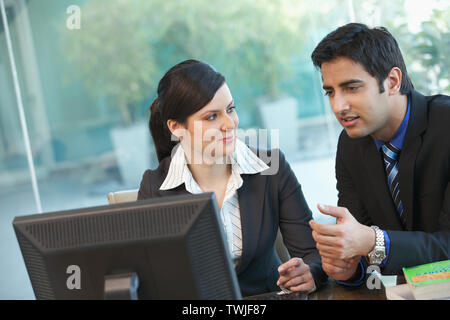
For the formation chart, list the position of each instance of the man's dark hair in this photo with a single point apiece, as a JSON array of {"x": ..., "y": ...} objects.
[{"x": 375, "y": 49}]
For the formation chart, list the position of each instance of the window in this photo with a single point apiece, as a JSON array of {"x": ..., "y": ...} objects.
[{"x": 88, "y": 70}]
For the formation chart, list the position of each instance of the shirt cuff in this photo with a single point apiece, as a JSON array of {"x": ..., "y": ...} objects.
[{"x": 357, "y": 282}]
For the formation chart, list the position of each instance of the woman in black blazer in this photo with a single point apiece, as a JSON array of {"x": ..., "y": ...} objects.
[{"x": 193, "y": 123}]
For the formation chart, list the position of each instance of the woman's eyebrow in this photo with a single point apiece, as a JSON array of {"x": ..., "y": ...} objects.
[{"x": 215, "y": 110}]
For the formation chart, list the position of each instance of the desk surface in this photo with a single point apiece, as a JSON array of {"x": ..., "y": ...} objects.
[
  {"x": 334, "y": 291},
  {"x": 330, "y": 291}
]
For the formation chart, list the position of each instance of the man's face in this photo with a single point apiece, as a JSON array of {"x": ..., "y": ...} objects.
[{"x": 355, "y": 97}]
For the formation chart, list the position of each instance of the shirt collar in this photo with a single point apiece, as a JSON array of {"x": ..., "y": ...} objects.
[
  {"x": 399, "y": 136},
  {"x": 243, "y": 161}
]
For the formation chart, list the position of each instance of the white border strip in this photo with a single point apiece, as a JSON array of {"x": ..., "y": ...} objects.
[{"x": 23, "y": 122}]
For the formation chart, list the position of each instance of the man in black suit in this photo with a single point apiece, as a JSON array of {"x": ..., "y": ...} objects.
[{"x": 392, "y": 161}]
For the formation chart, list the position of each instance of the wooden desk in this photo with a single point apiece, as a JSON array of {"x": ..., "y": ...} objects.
[
  {"x": 331, "y": 291},
  {"x": 334, "y": 291}
]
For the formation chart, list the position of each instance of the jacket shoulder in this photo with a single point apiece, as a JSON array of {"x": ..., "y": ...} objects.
[
  {"x": 439, "y": 106},
  {"x": 152, "y": 179},
  {"x": 274, "y": 159},
  {"x": 439, "y": 100},
  {"x": 438, "y": 115}
]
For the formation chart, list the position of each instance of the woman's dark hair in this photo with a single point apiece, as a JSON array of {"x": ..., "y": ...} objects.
[
  {"x": 186, "y": 88},
  {"x": 375, "y": 49}
]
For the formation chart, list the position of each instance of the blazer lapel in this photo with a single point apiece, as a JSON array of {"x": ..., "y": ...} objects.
[
  {"x": 251, "y": 200},
  {"x": 375, "y": 170},
  {"x": 173, "y": 192},
  {"x": 411, "y": 146}
]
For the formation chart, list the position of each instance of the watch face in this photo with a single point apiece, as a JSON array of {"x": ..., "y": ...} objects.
[
  {"x": 377, "y": 256},
  {"x": 377, "y": 260}
]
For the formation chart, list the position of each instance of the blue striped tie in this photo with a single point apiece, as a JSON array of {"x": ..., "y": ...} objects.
[{"x": 390, "y": 155}]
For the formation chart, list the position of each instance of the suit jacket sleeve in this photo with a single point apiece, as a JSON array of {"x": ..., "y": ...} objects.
[
  {"x": 412, "y": 248},
  {"x": 294, "y": 222}
]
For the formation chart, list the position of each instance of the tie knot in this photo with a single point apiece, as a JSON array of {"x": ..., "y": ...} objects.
[{"x": 390, "y": 151}]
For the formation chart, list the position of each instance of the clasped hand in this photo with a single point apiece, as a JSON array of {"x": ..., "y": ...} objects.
[
  {"x": 341, "y": 245},
  {"x": 295, "y": 275}
]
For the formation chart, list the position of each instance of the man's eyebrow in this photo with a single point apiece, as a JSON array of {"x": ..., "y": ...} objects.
[
  {"x": 346, "y": 83},
  {"x": 343, "y": 84},
  {"x": 208, "y": 111}
]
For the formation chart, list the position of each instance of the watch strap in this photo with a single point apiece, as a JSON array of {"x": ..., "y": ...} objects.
[
  {"x": 379, "y": 240},
  {"x": 378, "y": 254}
]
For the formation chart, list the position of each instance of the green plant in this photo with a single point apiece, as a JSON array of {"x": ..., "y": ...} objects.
[
  {"x": 431, "y": 47},
  {"x": 112, "y": 53},
  {"x": 252, "y": 40},
  {"x": 426, "y": 51},
  {"x": 124, "y": 46}
]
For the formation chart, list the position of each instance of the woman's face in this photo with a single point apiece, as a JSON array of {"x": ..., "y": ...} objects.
[{"x": 209, "y": 135}]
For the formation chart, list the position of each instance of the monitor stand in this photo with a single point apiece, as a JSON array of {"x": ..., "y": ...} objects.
[{"x": 121, "y": 286}]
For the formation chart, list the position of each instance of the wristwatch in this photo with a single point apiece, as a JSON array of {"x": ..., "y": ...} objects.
[{"x": 378, "y": 254}]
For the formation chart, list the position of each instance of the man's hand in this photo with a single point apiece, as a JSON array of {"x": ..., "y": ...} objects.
[
  {"x": 344, "y": 240},
  {"x": 296, "y": 276},
  {"x": 341, "y": 270}
]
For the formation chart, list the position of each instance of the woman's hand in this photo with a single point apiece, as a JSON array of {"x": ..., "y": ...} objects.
[{"x": 296, "y": 276}]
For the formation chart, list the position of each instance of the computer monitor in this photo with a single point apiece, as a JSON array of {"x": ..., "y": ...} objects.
[{"x": 163, "y": 248}]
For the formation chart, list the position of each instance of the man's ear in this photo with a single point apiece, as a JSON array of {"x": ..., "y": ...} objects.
[{"x": 394, "y": 81}]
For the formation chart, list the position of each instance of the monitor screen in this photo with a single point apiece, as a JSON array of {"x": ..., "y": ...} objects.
[{"x": 163, "y": 248}]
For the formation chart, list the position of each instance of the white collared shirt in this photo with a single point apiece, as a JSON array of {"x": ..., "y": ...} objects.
[{"x": 243, "y": 161}]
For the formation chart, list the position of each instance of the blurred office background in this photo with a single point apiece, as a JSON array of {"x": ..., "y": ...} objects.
[{"x": 84, "y": 72}]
